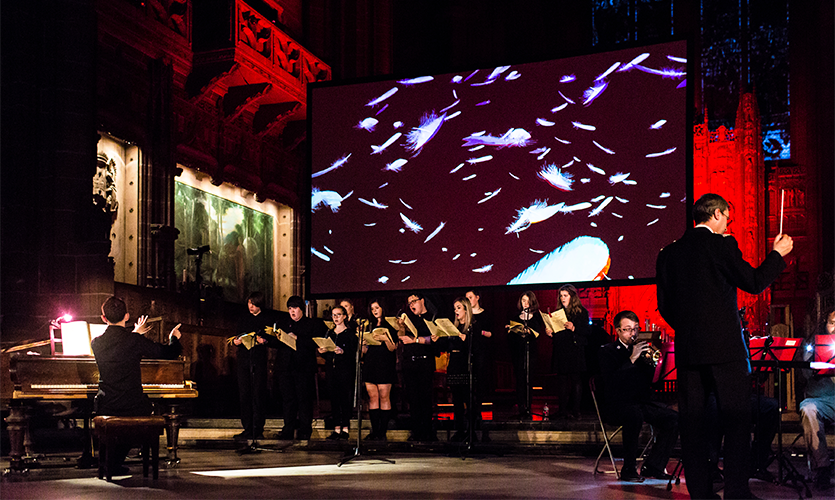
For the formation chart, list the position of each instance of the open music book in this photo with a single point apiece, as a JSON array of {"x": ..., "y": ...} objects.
[
  {"x": 325, "y": 343},
  {"x": 442, "y": 327},
  {"x": 368, "y": 337},
  {"x": 283, "y": 336},
  {"x": 519, "y": 329},
  {"x": 250, "y": 340},
  {"x": 410, "y": 327},
  {"x": 555, "y": 321}
]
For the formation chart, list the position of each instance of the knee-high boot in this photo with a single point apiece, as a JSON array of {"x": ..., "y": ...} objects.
[
  {"x": 374, "y": 416},
  {"x": 384, "y": 424}
]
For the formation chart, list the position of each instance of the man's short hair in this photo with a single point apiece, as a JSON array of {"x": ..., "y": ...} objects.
[
  {"x": 706, "y": 206},
  {"x": 416, "y": 294},
  {"x": 625, "y": 314},
  {"x": 257, "y": 299},
  {"x": 114, "y": 309},
  {"x": 295, "y": 301}
]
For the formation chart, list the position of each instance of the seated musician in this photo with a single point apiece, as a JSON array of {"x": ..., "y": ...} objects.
[
  {"x": 818, "y": 407},
  {"x": 627, "y": 375},
  {"x": 118, "y": 353}
]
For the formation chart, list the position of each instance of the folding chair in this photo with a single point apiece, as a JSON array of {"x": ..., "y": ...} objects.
[{"x": 607, "y": 438}]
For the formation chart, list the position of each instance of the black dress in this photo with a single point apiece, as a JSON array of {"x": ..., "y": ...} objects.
[
  {"x": 379, "y": 365},
  {"x": 569, "y": 355},
  {"x": 568, "y": 361},
  {"x": 341, "y": 374}
]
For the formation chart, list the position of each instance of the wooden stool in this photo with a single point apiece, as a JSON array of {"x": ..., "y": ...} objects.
[{"x": 135, "y": 431}]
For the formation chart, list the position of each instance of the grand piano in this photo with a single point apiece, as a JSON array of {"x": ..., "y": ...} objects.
[{"x": 36, "y": 378}]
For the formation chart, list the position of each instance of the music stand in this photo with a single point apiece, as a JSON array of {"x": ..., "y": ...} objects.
[
  {"x": 776, "y": 354},
  {"x": 526, "y": 334},
  {"x": 772, "y": 349},
  {"x": 824, "y": 348}
]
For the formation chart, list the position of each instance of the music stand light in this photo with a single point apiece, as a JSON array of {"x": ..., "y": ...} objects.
[{"x": 825, "y": 352}]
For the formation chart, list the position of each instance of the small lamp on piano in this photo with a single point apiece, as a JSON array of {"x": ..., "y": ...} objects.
[{"x": 63, "y": 318}]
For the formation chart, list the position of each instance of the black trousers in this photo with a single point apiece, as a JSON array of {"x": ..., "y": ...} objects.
[
  {"x": 252, "y": 387},
  {"x": 632, "y": 417},
  {"x": 341, "y": 386},
  {"x": 731, "y": 382},
  {"x": 765, "y": 417},
  {"x": 418, "y": 374},
  {"x": 297, "y": 392}
]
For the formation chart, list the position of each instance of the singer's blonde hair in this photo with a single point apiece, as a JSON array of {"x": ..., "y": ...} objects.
[{"x": 467, "y": 307}]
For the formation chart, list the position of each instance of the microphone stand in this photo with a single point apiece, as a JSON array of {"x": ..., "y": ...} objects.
[
  {"x": 357, "y": 385},
  {"x": 471, "y": 415},
  {"x": 528, "y": 404},
  {"x": 253, "y": 447}
]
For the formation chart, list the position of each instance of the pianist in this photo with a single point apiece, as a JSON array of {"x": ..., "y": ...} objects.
[{"x": 118, "y": 353}]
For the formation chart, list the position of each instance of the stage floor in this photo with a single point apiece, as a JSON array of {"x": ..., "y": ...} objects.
[{"x": 303, "y": 474}]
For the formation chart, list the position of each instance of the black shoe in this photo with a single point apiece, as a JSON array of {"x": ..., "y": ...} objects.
[
  {"x": 653, "y": 473},
  {"x": 458, "y": 437},
  {"x": 344, "y": 435},
  {"x": 821, "y": 479},
  {"x": 243, "y": 436},
  {"x": 630, "y": 475},
  {"x": 485, "y": 437},
  {"x": 122, "y": 471},
  {"x": 371, "y": 437},
  {"x": 747, "y": 495},
  {"x": 334, "y": 436},
  {"x": 763, "y": 475},
  {"x": 285, "y": 435},
  {"x": 303, "y": 436}
]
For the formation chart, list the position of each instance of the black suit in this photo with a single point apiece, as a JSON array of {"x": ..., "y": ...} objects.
[
  {"x": 253, "y": 369},
  {"x": 626, "y": 402},
  {"x": 119, "y": 352},
  {"x": 698, "y": 277}
]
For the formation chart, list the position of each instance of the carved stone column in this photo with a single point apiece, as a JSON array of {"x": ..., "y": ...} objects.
[{"x": 156, "y": 188}]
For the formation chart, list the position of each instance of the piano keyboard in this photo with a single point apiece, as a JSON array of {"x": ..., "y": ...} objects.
[{"x": 70, "y": 387}]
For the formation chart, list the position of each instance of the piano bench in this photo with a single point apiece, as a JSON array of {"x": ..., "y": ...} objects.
[{"x": 128, "y": 431}]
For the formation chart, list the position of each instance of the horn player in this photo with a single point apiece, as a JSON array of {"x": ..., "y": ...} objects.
[{"x": 627, "y": 401}]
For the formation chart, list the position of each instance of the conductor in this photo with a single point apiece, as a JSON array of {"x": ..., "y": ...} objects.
[{"x": 698, "y": 277}]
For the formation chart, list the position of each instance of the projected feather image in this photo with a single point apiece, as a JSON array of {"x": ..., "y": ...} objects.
[
  {"x": 582, "y": 259},
  {"x": 547, "y": 172}
]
